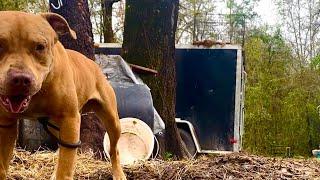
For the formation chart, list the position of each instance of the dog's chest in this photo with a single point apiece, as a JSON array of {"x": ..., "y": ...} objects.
[{"x": 41, "y": 108}]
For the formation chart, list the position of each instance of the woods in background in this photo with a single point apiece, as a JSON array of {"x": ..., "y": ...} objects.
[
  {"x": 282, "y": 63},
  {"x": 282, "y": 97}
]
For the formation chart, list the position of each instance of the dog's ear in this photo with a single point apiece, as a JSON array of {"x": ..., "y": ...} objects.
[{"x": 59, "y": 24}]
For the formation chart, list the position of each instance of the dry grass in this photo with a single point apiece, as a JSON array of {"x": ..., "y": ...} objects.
[{"x": 40, "y": 165}]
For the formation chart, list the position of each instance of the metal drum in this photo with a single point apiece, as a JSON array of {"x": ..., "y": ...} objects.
[{"x": 134, "y": 100}]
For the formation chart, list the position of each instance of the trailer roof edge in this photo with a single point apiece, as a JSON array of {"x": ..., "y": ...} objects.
[{"x": 178, "y": 46}]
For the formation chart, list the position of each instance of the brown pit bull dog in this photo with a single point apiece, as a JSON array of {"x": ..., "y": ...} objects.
[{"x": 40, "y": 78}]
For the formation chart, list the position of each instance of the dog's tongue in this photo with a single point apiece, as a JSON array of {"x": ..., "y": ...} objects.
[{"x": 15, "y": 104}]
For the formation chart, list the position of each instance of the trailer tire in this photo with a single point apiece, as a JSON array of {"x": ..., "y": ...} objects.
[{"x": 188, "y": 141}]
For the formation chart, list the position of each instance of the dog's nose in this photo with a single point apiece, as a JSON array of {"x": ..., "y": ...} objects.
[{"x": 20, "y": 80}]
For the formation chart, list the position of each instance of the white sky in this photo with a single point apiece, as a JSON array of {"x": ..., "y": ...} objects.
[
  {"x": 268, "y": 12},
  {"x": 266, "y": 9}
]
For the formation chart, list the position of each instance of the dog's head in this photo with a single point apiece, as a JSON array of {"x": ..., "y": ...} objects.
[{"x": 26, "y": 55}]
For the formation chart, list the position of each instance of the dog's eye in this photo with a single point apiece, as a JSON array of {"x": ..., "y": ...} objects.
[
  {"x": 2, "y": 47},
  {"x": 40, "y": 47}
]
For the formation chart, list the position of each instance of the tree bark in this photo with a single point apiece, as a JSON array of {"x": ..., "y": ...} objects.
[
  {"x": 108, "y": 34},
  {"x": 76, "y": 12},
  {"x": 149, "y": 41}
]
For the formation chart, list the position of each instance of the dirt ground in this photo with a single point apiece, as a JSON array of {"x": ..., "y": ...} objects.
[{"x": 40, "y": 165}]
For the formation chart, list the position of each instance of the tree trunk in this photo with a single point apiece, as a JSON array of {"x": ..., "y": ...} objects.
[
  {"x": 106, "y": 6},
  {"x": 76, "y": 12},
  {"x": 149, "y": 41}
]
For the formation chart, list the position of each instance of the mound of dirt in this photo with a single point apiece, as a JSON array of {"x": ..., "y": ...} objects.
[{"x": 40, "y": 165}]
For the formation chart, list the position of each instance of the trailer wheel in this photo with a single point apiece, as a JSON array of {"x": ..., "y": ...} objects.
[{"x": 188, "y": 141}]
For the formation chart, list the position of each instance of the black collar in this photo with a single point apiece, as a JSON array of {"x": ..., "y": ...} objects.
[{"x": 45, "y": 123}]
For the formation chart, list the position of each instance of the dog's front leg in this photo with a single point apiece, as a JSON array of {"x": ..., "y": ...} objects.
[
  {"x": 8, "y": 136},
  {"x": 69, "y": 133}
]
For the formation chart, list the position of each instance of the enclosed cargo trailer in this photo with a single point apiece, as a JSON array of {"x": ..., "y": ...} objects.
[{"x": 210, "y": 96}]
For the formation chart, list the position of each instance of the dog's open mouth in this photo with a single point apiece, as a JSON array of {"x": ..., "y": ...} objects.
[{"x": 15, "y": 104}]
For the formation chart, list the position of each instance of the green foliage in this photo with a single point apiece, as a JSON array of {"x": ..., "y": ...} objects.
[
  {"x": 24, "y": 5},
  {"x": 315, "y": 62},
  {"x": 281, "y": 97},
  {"x": 192, "y": 15},
  {"x": 240, "y": 13},
  {"x": 168, "y": 156},
  {"x": 12, "y": 5}
]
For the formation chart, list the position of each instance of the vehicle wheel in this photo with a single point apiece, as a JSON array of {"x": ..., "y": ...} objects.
[{"x": 188, "y": 141}]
